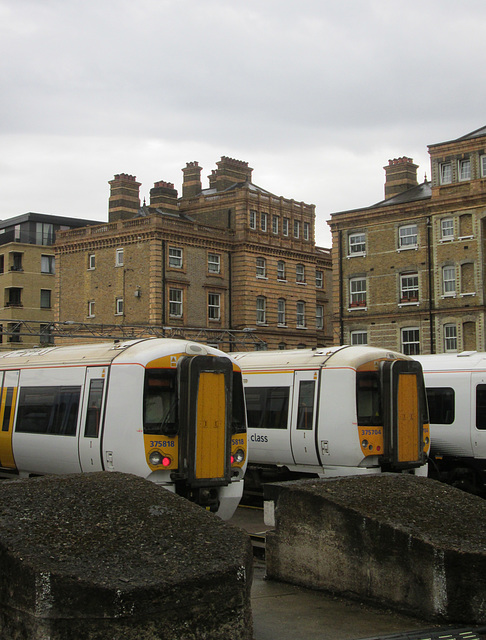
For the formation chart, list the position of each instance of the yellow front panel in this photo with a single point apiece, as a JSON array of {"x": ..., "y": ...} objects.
[
  {"x": 6, "y": 453},
  {"x": 210, "y": 436},
  {"x": 408, "y": 418}
]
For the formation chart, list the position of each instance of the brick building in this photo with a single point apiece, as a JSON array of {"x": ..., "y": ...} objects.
[
  {"x": 231, "y": 256},
  {"x": 408, "y": 272}
]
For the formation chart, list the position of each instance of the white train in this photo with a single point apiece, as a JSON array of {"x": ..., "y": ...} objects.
[
  {"x": 456, "y": 393},
  {"x": 171, "y": 411},
  {"x": 334, "y": 411}
]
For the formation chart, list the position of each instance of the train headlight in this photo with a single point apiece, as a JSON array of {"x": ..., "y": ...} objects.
[
  {"x": 364, "y": 444},
  {"x": 156, "y": 458},
  {"x": 238, "y": 456},
  {"x": 426, "y": 440}
]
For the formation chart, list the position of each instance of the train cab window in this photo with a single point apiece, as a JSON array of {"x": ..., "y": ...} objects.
[
  {"x": 238, "y": 422},
  {"x": 305, "y": 413},
  {"x": 368, "y": 399},
  {"x": 481, "y": 406},
  {"x": 160, "y": 402},
  {"x": 441, "y": 405},
  {"x": 48, "y": 410},
  {"x": 93, "y": 412},
  {"x": 267, "y": 407}
]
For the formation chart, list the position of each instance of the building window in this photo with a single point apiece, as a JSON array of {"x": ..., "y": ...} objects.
[
  {"x": 253, "y": 219},
  {"x": 281, "y": 312},
  {"x": 285, "y": 226},
  {"x": 450, "y": 337},
  {"x": 407, "y": 236},
  {"x": 175, "y": 258},
  {"x": 445, "y": 171},
  {"x": 300, "y": 314},
  {"x": 359, "y": 337},
  {"x": 447, "y": 229},
  {"x": 214, "y": 263},
  {"x": 44, "y": 233},
  {"x": 2, "y": 264},
  {"x": 48, "y": 264},
  {"x": 319, "y": 317},
  {"x": 263, "y": 221},
  {"x": 357, "y": 292},
  {"x": 464, "y": 169},
  {"x": 280, "y": 270},
  {"x": 300, "y": 273},
  {"x": 465, "y": 226},
  {"x": 46, "y": 336},
  {"x": 16, "y": 262},
  {"x": 261, "y": 268},
  {"x": 357, "y": 244},
  {"x": 91, "y": 309},
  {"x": 45, "y": 299},
  {"x": 214, "y": 306},
  {"x": 483, "y": 166},
  {"x": 261, "y": 310},
  {"x": 296, "y": 228},
  {"x": 449, "y": 280},
  {"x": 119, "y": 306},
  {"x": 175, "y": 303},
  {"x": 275, "y": 224},
  {"x": 410, "y": 340},
  {"x": 14, "y": 297},
  {"x": 319, "y": 279},
  {"x": 119, "y": 258},
  {"x": 91, "y": 261},
  {"x": 409, "y": 290},
  {"x": 14, "y": 332},
  {"x": 306, "y": 231}
]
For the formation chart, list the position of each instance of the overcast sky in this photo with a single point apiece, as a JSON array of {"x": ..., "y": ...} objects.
[{"x": 315, "y": 95}]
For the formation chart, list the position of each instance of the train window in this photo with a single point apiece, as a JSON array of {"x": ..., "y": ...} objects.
[
  {"x": 481, "y": 406},
  {"x": 238, "y": 423},
  {"x": 267, "y": 407},
  {"x": 368, "y": 399},
  {"x": 160, "y": 402},
  {"x": 51, "y": 410},
  {"x": 305, "y": 413},
  {"x": 93, "y": 412},
  {"x": 441, "y": 405},
  {"x": 8, "y": 409}
]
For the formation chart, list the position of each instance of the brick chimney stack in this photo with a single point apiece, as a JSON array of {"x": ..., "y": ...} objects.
[
  {"x": 191, "y": 185},
  {"x": 401, "y": 174},
  {"x": 229, "y": 172},
  {"x": 124, "y": 202},
  {"x": 163, "y": 196}
]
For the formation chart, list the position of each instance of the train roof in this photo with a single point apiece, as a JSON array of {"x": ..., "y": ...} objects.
[
  {"x": 342, "y": 356},
  {"x": 463, "y": 361},
  {"x": 139, "y": 351}
]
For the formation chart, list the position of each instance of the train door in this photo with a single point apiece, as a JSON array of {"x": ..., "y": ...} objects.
[
  {"x": 304, "y": 412},
  {"x": 10, "y": 383},
  {"x": 92, "y": 412},
  {"x": 478, "y": 414}
]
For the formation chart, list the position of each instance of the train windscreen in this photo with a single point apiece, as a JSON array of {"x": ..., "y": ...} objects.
[
  {"x": 368, "y": 399},
  {"x": 160, "y": 407}
]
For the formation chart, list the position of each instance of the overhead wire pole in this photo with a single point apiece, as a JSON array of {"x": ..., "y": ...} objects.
[{"x": 48, "y": 331}]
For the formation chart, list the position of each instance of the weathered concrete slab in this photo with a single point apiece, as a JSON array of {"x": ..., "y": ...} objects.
[
  {"x": 110, "y": 555},
  {"x": 401, "y": 541}
]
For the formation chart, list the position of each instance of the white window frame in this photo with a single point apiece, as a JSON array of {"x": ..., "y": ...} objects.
[
  {"x": 319, "y": 317},
  {"x": 48, "y": 264},
  {"x": 482, "y": 160},
  {"x": 214, "y": 263},
  {"x": 449, "y": 281},
  {"x": 253, "y": 219},
  {"x": 281, "y": 308},
  {"x": 357, "y": 244},
  {"x": 300, "y": 273},
  {"x": 118, "y": 306},
  {"x": 410, "y": 341},
  {"x": 261, "y": 310},
  {"x": 263, "y": 221},
  {"x": 359, "y": 337},
  {"x": 214, "y": 307},
  {"x": 319, "y": 279},
  {"x": 409, "y": 288},
  {"x": 464, "y": 169},
  {"x": 450, "y": 338},
  {"x": 445, "y": 173},
  {"x": 296, "y": 229},
  {"x": 357, "y": 292},
  {"x": 176, "y": 256},
  {"x": 447, "y": 229},
  {"x": 261, "y": 267},
  {"x": 274, "y": 224},
  {"x": 91, "y": 262},
  {"x": 285, "y": 226},
  {"x": 281, "y": 271},
  {"x": 176, "y": 300},
  {"x": 91, "y": 308},
  {"x": 306, "y": 231},
  {"x": 407, "y": 237},
  {"x": 300, "y": 314},
  {"x": 119, "y": 257}
]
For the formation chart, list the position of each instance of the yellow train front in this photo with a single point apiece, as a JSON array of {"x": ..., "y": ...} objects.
[{"x": 171, "y": 411}]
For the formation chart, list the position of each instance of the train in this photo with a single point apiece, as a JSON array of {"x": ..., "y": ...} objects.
[
  {"x": 335, "y": 411},
  {"x": 171, "y": 411},
  {"x": 456, "y": 393}
]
